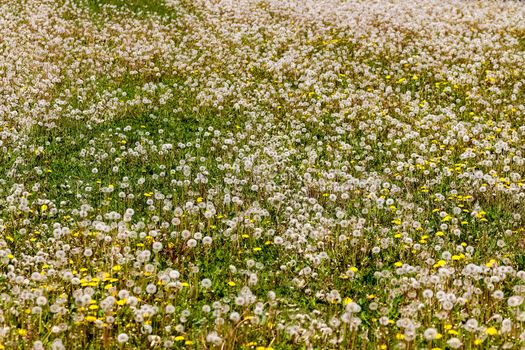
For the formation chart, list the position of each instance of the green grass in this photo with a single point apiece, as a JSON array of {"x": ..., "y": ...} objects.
[{"x": 136, "y": 7}]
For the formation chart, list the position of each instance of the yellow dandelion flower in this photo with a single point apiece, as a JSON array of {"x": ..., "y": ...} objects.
[{"x": 491, "y": 331}]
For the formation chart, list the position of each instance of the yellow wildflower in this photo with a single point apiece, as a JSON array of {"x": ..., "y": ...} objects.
[{"x": 491, "y": 331}]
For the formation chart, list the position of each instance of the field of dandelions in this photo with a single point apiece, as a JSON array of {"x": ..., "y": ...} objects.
[{"x": 262, "y": 174}]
